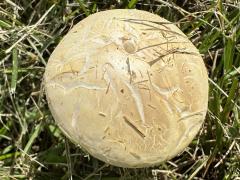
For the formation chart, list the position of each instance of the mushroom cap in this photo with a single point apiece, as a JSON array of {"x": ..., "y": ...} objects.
[{"x": 127, "y": 86}]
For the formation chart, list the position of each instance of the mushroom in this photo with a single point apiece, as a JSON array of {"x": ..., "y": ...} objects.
[{"x": 127, "y": 86}]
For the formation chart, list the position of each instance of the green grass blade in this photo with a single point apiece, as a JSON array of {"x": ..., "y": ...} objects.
[
  {"x": 9, "y": 155},
  {"x": 232, "y": 73},
  {"x": 228, "y": 54},
  {"x": 209, "y": 41},
  {"x": 82, "y": 6},
  {"x": 34, "y": 135},
  {"x": 229, "y": 105},
  {"x": 3, "y": 24},
  {"x": 132, "y": 4}
]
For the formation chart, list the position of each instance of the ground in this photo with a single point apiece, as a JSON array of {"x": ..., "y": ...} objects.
[{"x": 32, "y": 146}]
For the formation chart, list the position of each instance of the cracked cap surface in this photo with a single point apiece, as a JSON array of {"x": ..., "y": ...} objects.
[{"x": 127, "y": 86}]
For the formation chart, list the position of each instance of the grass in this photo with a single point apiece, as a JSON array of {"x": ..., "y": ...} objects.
[{"x": 32, "y": 146}]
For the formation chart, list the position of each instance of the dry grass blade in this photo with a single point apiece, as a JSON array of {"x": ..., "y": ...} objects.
[{"x": 30, "y": 30}]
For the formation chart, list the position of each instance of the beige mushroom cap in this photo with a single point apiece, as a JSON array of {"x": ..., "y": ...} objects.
[{"x": 127, "y": 86}]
